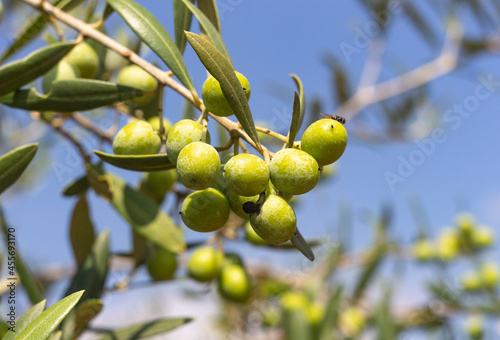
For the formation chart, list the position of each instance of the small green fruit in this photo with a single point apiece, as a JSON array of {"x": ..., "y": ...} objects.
[
  {"x": 155, "y": 123},
  {"x": 275, "y": 221},
  {"x": 315, "y": 313},
  {"x": 252, "y": 236},
  {"x": 162, "y": 265},
  {"x": 246, "y": 174},
  {"x": 62, "y": 71},
  {"x": 465, "y": 221},
  {"x": 490, "y": 275},
  {"x": 423, "y": 250},
  {"x": 181, "y": 134},
  {"x": 156, "y": 184},
  {"x": 234, "y": 283},
  {"x": 471, "y": 281},
  {"x": 474, "y": 327},
  {"x": 205, "y": 264},
  {"x": 214, "y": 99},
  {"x": 134, "y": 76},
  {"x": 205, "y": 211},
  {"x": 294, "y": 171},
  {"x": 448, "y": 245},
  {"x": 325, "y": 140},
  {"x": 236, "y": 203},
  {"x": 85, "y": 59},
  {"x": 352, "y": 321},
  {"x": 482, "y": 237},
  {"x": 198, "y": 165},
  {"x": 137, "y": 138},
  {"x": 293, "y": 301}
]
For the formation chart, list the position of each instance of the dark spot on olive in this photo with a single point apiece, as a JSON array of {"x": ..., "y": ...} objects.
[{"x": 249, "y": 207}]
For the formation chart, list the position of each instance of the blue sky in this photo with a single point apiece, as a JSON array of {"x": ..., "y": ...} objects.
[{"x": 267, "y": 43}]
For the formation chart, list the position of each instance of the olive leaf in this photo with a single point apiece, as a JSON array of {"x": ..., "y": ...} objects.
[
  {"x": 209, "y": 9},
  {"x": 153, "y": 34},
  {"x": 20, "y": 72},
  {"x": 46, "y": 323},
  {"x": 145, "y": 163},
  {"x": 295, "y": 124},
  {"x": 71, "y": 95},
  {"x": 13, "y": 164},
  {"x": 34, "y": 26},
  {"x": 302, "y": 97},
  {"x": 211, "y": 30},
  {"x": 145, "y": 329},
  {"x": 301, "y": 244},
  {"x": 182, "y": 22},
  {"x": 82, "y": 233},
  {"x": 28, "y": 317},
  {"x": 222, "y": 70}
]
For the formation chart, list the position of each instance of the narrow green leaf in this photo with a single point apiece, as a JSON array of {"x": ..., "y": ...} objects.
[
  {"x": 301, "y": 244},
  {"x": 384, "y": 320},
  {"x": 4, "y": 328},
  {"x": 71, "y": 95},
  {"x": 420, "y": 22},
  {"x": 47, "y": 322},
  {"x": 13, "y": 164},
  {"x": 81, "y": 230},
  {"x": 302, "y": 97},
  {"x": 146, "y": 329},
  {"x": 21, "y": 72},
  {"x": 145, "y": 217},
  {"x": 152, "y": 33},
  {"x": 34, "y": 26},
  {"x": 182, "y": 22},
  {"x": 145, "y": 163},
  {"x": 212, "y": 31},
  {"x": 30, "y": 315},
  {"x": 209, "y": 9},
  {"x": 297, "y": 326},
  {"x": 223, "y": 71},
  {"x": 368, "y": 273},
  {"x": 329, "y": 322},
  {"x": 77, "y": 187},
  {"x": 91, "y": 275},
  {"x": 84, "y": 314},
  {"x": 295, "y": 124}
]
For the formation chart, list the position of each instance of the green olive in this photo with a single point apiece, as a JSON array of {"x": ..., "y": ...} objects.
[
  {"x": 134, "y": 76},
  {"x": 214, "y": 99},
  {"x": 162, "y": 265},
  {"x": 205, "y": 264},
  {"x": 198, "y": 165},
  {"x": 325, "y": 140},
  {"x": 137, "y": 138},
  {"x": 205, "y": 211},
  {"x": 85, "y": 59}
]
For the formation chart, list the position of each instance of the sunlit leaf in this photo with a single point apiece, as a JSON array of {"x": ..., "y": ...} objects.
[
  {"x": 13, "y": 164},
  {"x": 21, "y": 72},
  {"x": 144, "y": 163},
  {"x": 146, "y": 329},
  {"x": 46, "y": 323},
  {"x": 85, "y": 313},
  {"x": 152, "y": 33},
  {"x": 71, "y": 95},
  {"x": 81, "y": 230},
  {"x": 28, "y": 317},
  {"x": 222, "y": 70}
]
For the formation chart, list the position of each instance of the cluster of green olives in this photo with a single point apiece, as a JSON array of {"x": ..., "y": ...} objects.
[
  {"x": 466, "y": 237},
  {"x": 244, "y": 184},
  {"x": 81, "y": 62}
]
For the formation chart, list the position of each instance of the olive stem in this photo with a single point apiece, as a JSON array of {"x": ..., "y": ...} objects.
[
  {"x": 236, "y": 149},
  {"x": 204, "y": 122},
  {"x": 160, "y": 116},
  {"x": 226, "y": 146},
  {"x": 163, "y": 77},
  {"x": 272, "y": 134}
]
